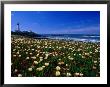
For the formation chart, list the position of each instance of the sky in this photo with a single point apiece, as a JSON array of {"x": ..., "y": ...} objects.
[{"x": 57, "y": 22}]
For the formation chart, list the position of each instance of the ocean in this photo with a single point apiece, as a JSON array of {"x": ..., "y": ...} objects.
[{"x": 75, "y": 37}]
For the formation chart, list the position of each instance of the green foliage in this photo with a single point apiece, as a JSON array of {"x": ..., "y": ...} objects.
[{"x": 65, "y": 54}]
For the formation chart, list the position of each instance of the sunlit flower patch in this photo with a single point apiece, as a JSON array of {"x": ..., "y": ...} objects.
[{"x": 54, "y": 58}]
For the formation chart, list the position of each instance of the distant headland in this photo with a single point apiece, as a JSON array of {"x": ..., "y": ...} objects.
[{"x": 30, "y": 33}]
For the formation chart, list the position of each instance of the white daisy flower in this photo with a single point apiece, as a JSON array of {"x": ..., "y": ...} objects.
[
  {"x": 58, "y": 68},
  {"x": 26, "y": 52},
  {"x": 14, "y": 55},
  {"x": 57, "y": 73},
  {"x": 35, "y": 62},
  {"x": 41, "y": 60},
  {"x": 68, "y": 74},
  {"x": 19, "y": 75},
  {"x": 46, "y": 64},
  {"x": 30, "y": 53},
  {"x": 32, "y": 49},
  {"x": 71, "y": 58},
  {"x": 27, "y": 57},
  {"x": 95, "y": 61},
  {"x": 29, "y": 69},
  {"x": 33, "y": 57},
  {"x": 41, "y": 57},
  {"x": 66, "y": 64},
  {"x": 17, "y": 52},
  {"x": 19, "y": 55},
  {"x": 77, "y": 74},
  {"x": 16, "y": 70},
  {"x": 81, "y": 74},
  {"x": 39, "y": 69},
  {"x": 94, "y": 67},
  {"x": 43, "y": 66}
]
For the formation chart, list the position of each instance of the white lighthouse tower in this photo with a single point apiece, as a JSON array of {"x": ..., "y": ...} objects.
[{"x": 18, "y": 28}]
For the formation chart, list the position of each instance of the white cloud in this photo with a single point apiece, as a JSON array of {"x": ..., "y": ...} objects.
[{"x": 89, "y": 30}]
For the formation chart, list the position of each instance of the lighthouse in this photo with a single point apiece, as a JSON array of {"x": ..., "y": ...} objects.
[{"x": 18, "y": 28}]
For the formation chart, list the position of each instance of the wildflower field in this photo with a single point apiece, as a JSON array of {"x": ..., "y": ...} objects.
[{"x": 54, "y": 58}]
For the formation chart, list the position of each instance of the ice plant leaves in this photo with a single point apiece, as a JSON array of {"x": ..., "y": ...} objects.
[{"x": 50, "y": 58}]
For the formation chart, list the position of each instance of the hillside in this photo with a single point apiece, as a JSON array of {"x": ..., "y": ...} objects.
[{"x": 26, "y": 33}]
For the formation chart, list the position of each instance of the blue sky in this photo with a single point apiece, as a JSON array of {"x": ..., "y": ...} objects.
[{"x": 57, "y": 22}]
